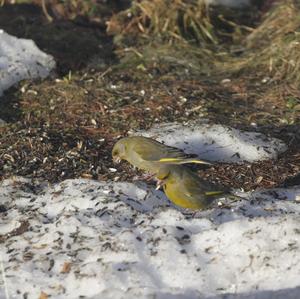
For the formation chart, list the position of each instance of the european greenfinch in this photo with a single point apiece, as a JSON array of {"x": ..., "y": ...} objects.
[
  {"x": 148, "y": 154},
  {"x": 186, "y": 189}
]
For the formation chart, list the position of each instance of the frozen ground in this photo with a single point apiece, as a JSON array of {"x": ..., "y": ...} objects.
[
  {"x": 21, "y": 59},
  {"x": 89, "y": 239}
]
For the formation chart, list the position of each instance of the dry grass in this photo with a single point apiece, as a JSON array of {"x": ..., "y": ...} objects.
[
  {"x": 176, "y": 28},
  {"x": 171, "y": 20},
  {"x": 273, "y": 48},
  {"x": 174, "y": 36}
]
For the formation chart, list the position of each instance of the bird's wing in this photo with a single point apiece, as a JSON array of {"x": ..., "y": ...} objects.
[
  {"x": 167, "y": 151},
  {"x": 152, "y": 150},
  {"x": 194, "y": 186},
  {"x": 147, "y": 152}
]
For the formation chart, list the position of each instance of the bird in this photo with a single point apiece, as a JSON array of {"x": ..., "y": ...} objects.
[
  {"x": 186, "y": 189},
  {"x": 148, "y": 154}
]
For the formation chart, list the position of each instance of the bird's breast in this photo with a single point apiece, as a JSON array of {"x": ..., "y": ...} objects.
[{"x": 180, "y": 198}]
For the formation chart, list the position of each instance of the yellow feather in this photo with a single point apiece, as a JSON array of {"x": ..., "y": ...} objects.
[
  {"x": 183, "y": 161},
  {"x": 186, "y": 189},
  {"x": 169, "y": 160}
]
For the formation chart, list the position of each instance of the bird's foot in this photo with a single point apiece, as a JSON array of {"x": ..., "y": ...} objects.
[{"x": 145, "y": 177}]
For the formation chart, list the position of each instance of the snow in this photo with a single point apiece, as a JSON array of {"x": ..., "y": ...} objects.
[
  {"x": 21, "y": 59},
  {"x": 216, "y": 142},
  {"x": 125, "y": 240}
]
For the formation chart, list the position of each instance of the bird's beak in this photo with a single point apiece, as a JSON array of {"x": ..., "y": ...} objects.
[
  {"x": 117, "y": 160},
  {"x": 159, "y": 184}
]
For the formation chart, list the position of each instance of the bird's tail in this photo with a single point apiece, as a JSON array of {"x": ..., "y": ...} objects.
[{"x": 183, "y": 161}]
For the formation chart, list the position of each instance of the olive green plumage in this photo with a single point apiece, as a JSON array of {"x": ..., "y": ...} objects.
[
  {"x": 148, "y": 154},
  {"x": 186, "y": 189}
]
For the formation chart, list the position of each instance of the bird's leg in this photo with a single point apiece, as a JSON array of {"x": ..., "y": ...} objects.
[{"x": 146, "y": 176}]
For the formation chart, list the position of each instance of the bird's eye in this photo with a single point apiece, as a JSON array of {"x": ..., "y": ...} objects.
[{"x": 115, "y": 153}]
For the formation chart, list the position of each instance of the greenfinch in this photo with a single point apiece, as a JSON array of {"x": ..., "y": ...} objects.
[
  {"x": 148, "y": 154},
  {"x": 186, "y": 189}
]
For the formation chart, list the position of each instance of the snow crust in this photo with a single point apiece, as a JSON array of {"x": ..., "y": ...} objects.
[
  {"x": 21, "y": 59},
  {"x": 216, "y": 142},
  {"x": 125, "y": 240}
]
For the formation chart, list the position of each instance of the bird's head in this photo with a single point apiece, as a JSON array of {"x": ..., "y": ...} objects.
[
  {"x": 119, "y": 150},
  {"x": 162, "y": 176}
]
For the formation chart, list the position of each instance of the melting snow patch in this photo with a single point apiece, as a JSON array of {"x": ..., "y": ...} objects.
[
  {"x": 21, "y": 59},
  {"x": 124, "y": 240},
  {"x": 217, "y": 142}
]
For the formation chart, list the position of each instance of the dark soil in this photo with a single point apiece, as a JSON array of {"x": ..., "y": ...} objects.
[{"x": 73, "y": 44}]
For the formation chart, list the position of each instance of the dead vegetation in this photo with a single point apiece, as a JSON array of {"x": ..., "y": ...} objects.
[
  {"x": 166, "y": 21},
  {"x": 269, "y": 50},
  {"x": 183, "y": 34},
  {"x": 273, "y": 48}
]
